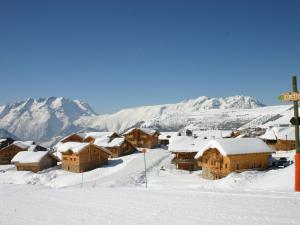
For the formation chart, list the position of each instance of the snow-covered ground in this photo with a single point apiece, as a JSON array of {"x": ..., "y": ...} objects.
[{"x": 117, "y": 195}]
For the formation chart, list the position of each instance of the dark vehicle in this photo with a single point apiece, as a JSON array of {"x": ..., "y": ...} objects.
[{"x": 281, "y": 162}]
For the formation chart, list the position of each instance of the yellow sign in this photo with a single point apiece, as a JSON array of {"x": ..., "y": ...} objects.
[{"x": 290, "y": 96}]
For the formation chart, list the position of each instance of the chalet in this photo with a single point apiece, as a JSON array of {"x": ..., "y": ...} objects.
[
  {"x": 185, "y": 149},
  {"x": 4, "y": 142},
  {"x": 164, "y": 137},
  {"x": 280, "y": 138},
  {"x": 34, "y": 160},
  {"x": 220, "y": 157},
  {"x": 81, "y": 157},
  {"x": 8, "y": 152},
  {"x": 142, "y": 137},
  {"x": 118, "y": 146}
]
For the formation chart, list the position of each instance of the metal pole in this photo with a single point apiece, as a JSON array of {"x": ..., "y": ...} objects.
[
  {"x": 297, "y": 158},
  {"x": 81, "y": 178},
  {"x": 145, "y": 168}
]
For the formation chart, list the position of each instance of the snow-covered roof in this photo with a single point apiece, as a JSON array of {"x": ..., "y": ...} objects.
[
  {"x": 2, "y": 140},
  {"x": 75, "y": 147},
  {"x": 102, "y": 141},
  {"x": 234, "y": 146},
  {"x": 167, "y": 135},
  {"x": 23, "y": 144},
  {"x": 98, "y": 134},
  {"x": 116, "y": 142},
  {"x": 145, "y": 130},
  {"x": 29, "y": 157},
  {"x": 279, "y": 133},
  {"x": 186, "y": 144},
  {"x": 213, "y": 133}
]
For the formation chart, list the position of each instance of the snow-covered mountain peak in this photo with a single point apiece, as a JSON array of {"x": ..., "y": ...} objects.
[{"x": 234, "y": 102}]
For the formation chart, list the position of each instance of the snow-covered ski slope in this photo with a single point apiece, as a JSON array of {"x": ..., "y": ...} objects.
[{"x": 116, "y": 195}]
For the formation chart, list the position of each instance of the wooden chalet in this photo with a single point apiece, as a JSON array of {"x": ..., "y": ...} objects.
[
  {"x": 280, "y": 138},
  {"x": 142, "y": 137},
  {"x": 118, "y": 146},
  {"x": 81, "y": 157},
  {"x": 220, "y": 157},
  {"x": 7, "y": 153},
  {"x": 184, "y": 149},
  {"x": 34, "y": 161}
]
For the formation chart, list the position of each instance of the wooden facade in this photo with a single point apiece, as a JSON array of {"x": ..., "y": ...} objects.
[
  {"x": 141, "y": 139},
  {"x": 126, "y": 148},
  {"x": 47, "y": 162},
  {"x": 281, "y": 145},
  {"x": 185, "y": 161},
  {"x": 7, "y": 153},
  {"x": 215, "y": 165},
  {"x": 91, "y": 157}
]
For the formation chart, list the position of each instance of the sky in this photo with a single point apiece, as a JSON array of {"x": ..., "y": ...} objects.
[{"x": 121, "y": 54}]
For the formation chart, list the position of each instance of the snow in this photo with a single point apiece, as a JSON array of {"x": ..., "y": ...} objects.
[
  {"x": 75, "y": 147},
  {"x": 279, "y": 133},
  {"x": 167, "y": 135},
  {"x": 116, "y": 142},
  {"x": 234, "y": 146},
  {"x": 49, "y": 120},
  {"x": 173, "y": 196},
  {"x": 186, "y": 144},
  {"x": 23, "y": 144},
  {"x": 144, "y": 130},
  {"x": 29, "y": 157},
  {"x": 208, "y": 134},
  {"x": 102, "y": 141},
  {"x": 98, "y": 134}
]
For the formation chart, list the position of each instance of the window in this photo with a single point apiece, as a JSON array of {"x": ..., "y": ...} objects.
[
  {"x": 237, "y": 166},
  {"x": 225, "y": 165}
]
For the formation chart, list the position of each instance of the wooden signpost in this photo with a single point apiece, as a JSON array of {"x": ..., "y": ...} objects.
[{"x": 295, "y": 97}]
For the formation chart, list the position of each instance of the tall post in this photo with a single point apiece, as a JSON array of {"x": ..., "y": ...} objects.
[
  {"x": 144, "y": 151},
  {"x": 297, "y": 157}
]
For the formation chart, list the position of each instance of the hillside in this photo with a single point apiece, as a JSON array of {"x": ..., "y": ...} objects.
[{"x": 46, "y": 120}]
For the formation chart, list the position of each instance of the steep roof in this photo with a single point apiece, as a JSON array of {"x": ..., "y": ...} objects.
[
  {"x": 186, "y": 144},
  {"x": 116, "y": 142},
  {"x": 279, "y": 133},
  {"x": 144, "y": 130},
  {"x": 23, "y": 144},
  {"x": 98, "y": 134},
  {"x": 77, "y": 147},
  {"x": 235, "y": 146},
  {"x": 29, "y": 157}
]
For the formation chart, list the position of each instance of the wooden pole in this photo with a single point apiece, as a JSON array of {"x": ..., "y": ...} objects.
[
  {"x": 297, "y": 157},
  {"x": 144, "y": 150}
]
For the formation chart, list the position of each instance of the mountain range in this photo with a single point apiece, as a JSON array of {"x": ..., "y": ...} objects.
[{"x": 46, "y": 120}]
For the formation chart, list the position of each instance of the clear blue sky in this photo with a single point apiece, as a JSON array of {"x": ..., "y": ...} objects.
[{"x": 116, "y": 54}]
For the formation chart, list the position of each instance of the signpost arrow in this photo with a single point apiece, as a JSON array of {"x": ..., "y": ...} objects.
[{"x": 294, "y": 96}]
